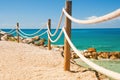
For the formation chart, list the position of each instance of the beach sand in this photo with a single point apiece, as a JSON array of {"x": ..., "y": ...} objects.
[{"x": 25, "y": 62}]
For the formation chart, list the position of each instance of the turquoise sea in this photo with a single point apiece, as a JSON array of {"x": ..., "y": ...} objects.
[{"x": 101, "y": 39}]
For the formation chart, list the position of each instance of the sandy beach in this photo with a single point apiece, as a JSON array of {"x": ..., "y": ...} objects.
[{"x": 26, "y": 62}]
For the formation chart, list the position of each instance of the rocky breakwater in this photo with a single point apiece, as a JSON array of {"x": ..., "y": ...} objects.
[
  {"x": 91, "y": 53},
  {"x": 35, "y": 40},
  {"x": 6, "y": 37}
]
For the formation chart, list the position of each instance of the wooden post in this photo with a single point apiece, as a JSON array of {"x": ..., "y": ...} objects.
[
  {"x": 49, "y": 43},
  {"x": 67, "y": 53},
  {"x": 17, "y": 30}
]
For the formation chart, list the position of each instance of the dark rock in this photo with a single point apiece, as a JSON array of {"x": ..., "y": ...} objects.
[
  {"x": 37, "y": 43},
  {"x": 115, "y": 54},
  {"x": 11, "y": 39},
  {"x": 74, "y": 55},
  {"x": 94, "y": 55},
  {"x": 87, "y": 54},
  {"x": 113, "y": 57},
  {"x": 104, "y": 55},
  {"x": 42, "y": 42},
  {"x": 36, "y": 38},
  {"x": 4, "y": 38},
  {"x": 91, "y": 50}
]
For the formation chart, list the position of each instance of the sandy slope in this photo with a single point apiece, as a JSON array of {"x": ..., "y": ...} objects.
[{"x": 26, "y": 62}]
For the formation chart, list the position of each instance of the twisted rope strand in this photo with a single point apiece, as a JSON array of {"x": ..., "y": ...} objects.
[
  {"x": 33, "y": 33},
  {"x": 43, "y": 33},
  {"x": 56, "y": 38},
  {"x": 33, "y": 36},
  {"x": 23, "y": 36},
  {"x": 12, "y": 32},
  {"x": 8, "y": 31},
  {"x": 93, "y": 21},
  {"x": 60, "y": 21}
]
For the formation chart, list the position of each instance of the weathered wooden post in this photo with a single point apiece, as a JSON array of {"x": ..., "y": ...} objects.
[
  {"x": 67, "y": 53},
  {"x": 17, "y": 32},
  {"x": 49, "y": 26}
]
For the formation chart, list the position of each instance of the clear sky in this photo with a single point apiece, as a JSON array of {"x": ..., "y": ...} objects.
[{"x": 33, "y": 13}]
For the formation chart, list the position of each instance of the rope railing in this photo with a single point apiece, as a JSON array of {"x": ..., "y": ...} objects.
[
  {"x": 98, "y": 68},
  {"x": 23, "y": 36},
  {"x": 2, "y": 31},
  {"x": 58, "y": 37},
  {"x": 93, "y": 21},
  {"x": 33, "y": 33},
  {"x": 59, "y": 23},
  {"x": 11, "y": 31},
  {"x": 33, "y": 36}
]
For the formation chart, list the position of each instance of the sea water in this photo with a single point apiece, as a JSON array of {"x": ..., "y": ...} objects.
[{"x": 101, "y": 39}]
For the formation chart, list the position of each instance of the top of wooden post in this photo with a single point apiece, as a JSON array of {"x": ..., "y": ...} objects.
[
  {"x": 68, "y": 7},
  {"x": 68, "y": 0},
  {"x": 17, "y": 24},
  {"x": 49, "y": 21}
]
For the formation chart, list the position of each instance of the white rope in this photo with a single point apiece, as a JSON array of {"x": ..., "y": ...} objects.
[
  {"x": 43, "y": 33},
  {"x": 33, "y": 36},
  {"x": 32, "y": 33},
  {"x": 3, "y": 32},
  {"x": 12, "y": 32},
  {"x": 23, "y": 35},
  {"x": 100, "y": 69},
  {"x": 56, "y": 38},
  {"x": 8, "y": 31},
  {"x": 60, "y": 21},
  {"x": 97, "y": 20}
]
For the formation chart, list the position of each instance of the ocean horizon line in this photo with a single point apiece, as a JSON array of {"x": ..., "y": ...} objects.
[{"x": 61, "y": 28}]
